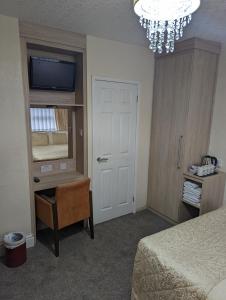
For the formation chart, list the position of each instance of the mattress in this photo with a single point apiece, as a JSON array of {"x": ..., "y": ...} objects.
[
  {"x": 186, "y": 262},
  {"x": 49, "y": 152}
]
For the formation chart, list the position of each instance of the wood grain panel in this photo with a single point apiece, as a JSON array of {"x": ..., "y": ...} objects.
[
  {"x": 200, "y": 107},
  {"x": 160, "y": 135},
  {"x": 197, "y": 43},
  {"x": 79, "y": 129},
  {"x": 51, "y": 98},
  {"x": 79, "y": 79},
  {"x": 194, "y": 43},
  {"x": 23, "y": 46},
  {"x": 212, "y": 193},
  {"x": 53, "y": 35},
  {"x": 181, "y": 86}
]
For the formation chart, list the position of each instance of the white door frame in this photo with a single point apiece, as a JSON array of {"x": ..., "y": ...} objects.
[{"x": 136, "y": 83}]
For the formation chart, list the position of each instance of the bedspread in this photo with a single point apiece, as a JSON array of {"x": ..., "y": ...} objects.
[
  {"x": 50, "y": 152},
  {"x": 184, "y": 262}
]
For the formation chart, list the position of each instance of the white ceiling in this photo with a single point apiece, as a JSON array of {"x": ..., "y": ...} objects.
[{"x": 112, "y": 19}]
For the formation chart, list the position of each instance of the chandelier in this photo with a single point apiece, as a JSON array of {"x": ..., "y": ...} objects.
[{"x": 164, "y": 20}]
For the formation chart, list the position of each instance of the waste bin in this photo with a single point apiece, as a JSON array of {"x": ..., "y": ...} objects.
[{"x": 15, "y": 246}]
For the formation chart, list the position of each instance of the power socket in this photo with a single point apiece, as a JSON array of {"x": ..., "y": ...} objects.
[
  {"x": 46, "y": 168},
  {"x": 63, "y": 166}
]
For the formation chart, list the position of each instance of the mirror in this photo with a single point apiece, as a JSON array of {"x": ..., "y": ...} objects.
[{"x": 50, "y": 133}]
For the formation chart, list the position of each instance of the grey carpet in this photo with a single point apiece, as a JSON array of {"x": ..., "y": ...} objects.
[{"x": 99, "y": 269}]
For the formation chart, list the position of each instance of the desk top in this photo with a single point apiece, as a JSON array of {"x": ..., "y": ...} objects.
[{"x": 52, "y": 181}]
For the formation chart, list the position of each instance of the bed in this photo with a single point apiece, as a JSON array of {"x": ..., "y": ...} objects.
[
  {"x": 49, "y": 145},
  {"x": 50, "y": 152},
  {"x": 186, "y": 262}
]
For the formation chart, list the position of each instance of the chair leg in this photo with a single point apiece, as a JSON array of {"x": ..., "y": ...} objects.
[
  {"x": 91, "y": 228},
  {"x": 36, "y": 225},
  {"x": 55, "y": 230},
  {"x": 85, "y": 224},
  {"x": 56, "y": 242}
]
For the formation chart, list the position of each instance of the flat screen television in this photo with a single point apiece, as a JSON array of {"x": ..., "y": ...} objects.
[{"x": 52, "y": 74}]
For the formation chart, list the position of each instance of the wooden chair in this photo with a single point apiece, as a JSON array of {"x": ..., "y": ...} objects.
[{"x": 71, "y": 203}]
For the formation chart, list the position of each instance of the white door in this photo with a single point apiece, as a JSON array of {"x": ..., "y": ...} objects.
[{"x": 114, "y": 145}]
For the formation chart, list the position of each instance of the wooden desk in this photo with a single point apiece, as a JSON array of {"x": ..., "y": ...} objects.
[{"x": 51, "y": 181}]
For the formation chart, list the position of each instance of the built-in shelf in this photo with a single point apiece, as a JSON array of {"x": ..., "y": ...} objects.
[
  {"x": 40, "y": 96},
  {"x": 211, "y": 196},
  {"x": 197, "y": 205},
  {"x": 32, "y": 104}
]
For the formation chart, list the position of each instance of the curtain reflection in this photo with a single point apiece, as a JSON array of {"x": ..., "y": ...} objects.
[
  {"x": 43, "y": 119},
  {"x": 61, "y": 117}
]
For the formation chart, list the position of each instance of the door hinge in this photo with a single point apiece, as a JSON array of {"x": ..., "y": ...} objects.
[{"x": 137, "y": 98}]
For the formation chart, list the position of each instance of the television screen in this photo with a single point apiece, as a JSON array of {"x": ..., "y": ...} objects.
[{"x": 52, "y": 74}]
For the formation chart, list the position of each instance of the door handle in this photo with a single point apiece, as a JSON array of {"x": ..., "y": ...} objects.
[
  {"x": 102, "y": 159},
  {"x": 179, "y": 152}
]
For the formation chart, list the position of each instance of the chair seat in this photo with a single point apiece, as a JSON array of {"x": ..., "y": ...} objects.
[
  {"x": 51, "y": 199},
  {"x": 65, "y": 205},
  {"x": 48, "y": 195}
]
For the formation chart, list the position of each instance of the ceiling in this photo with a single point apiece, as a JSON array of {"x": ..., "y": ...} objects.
[{"x": 111, "y": 19}]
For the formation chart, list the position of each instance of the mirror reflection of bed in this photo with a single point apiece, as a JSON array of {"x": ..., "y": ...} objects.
[{"x": 49, "y": 133}]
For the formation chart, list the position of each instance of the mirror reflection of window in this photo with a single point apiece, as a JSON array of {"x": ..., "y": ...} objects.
[{"x": 50, "y": 130}]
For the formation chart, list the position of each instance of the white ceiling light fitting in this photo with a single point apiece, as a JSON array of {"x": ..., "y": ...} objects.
[{"x": 164, "y": 20}]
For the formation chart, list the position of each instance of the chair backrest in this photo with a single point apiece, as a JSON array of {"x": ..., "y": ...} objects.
[{"x": 73, "y": 203}]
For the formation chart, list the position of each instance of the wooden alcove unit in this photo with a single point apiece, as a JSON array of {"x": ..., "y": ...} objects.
[{"x": 44, "y": 41}]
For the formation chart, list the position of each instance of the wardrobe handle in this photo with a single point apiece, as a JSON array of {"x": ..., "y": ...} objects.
[{"x": 179, "y": 152}]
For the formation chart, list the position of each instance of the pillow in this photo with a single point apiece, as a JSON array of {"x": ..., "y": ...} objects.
[
  {"x": 58, "y": 138},
  {"x": 40, "y": 139}
]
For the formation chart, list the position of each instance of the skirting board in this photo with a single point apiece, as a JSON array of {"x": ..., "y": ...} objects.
[
  {"x": 140, "y": 209},
  {"x": 30, "y": 242},
  {"x": 162, "y": 216}
]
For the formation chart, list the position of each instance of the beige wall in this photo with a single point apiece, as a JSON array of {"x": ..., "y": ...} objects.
[
  {"x": 14, "y": 186},
  {"x": 218, "y": 131},
  {"x": 121, "y": 61}
]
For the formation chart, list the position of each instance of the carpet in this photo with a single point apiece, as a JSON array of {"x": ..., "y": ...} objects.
[{"x": 99, "y": 269}]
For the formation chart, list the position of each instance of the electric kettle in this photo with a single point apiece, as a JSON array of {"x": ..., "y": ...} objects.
[{"x": 207, "y": 160}]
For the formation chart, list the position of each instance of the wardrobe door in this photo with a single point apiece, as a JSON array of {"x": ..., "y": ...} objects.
[
  {"x": 162, "y": 113},
  {"x": 201, "y": 105},
  {"x": 181, "y": 86}
]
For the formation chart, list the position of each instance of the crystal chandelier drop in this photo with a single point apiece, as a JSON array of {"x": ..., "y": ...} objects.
[{"x": 164, "y": 20}]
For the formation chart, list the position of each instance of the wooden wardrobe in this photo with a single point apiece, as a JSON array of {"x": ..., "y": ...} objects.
[{"x": 183, "y": 96}]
